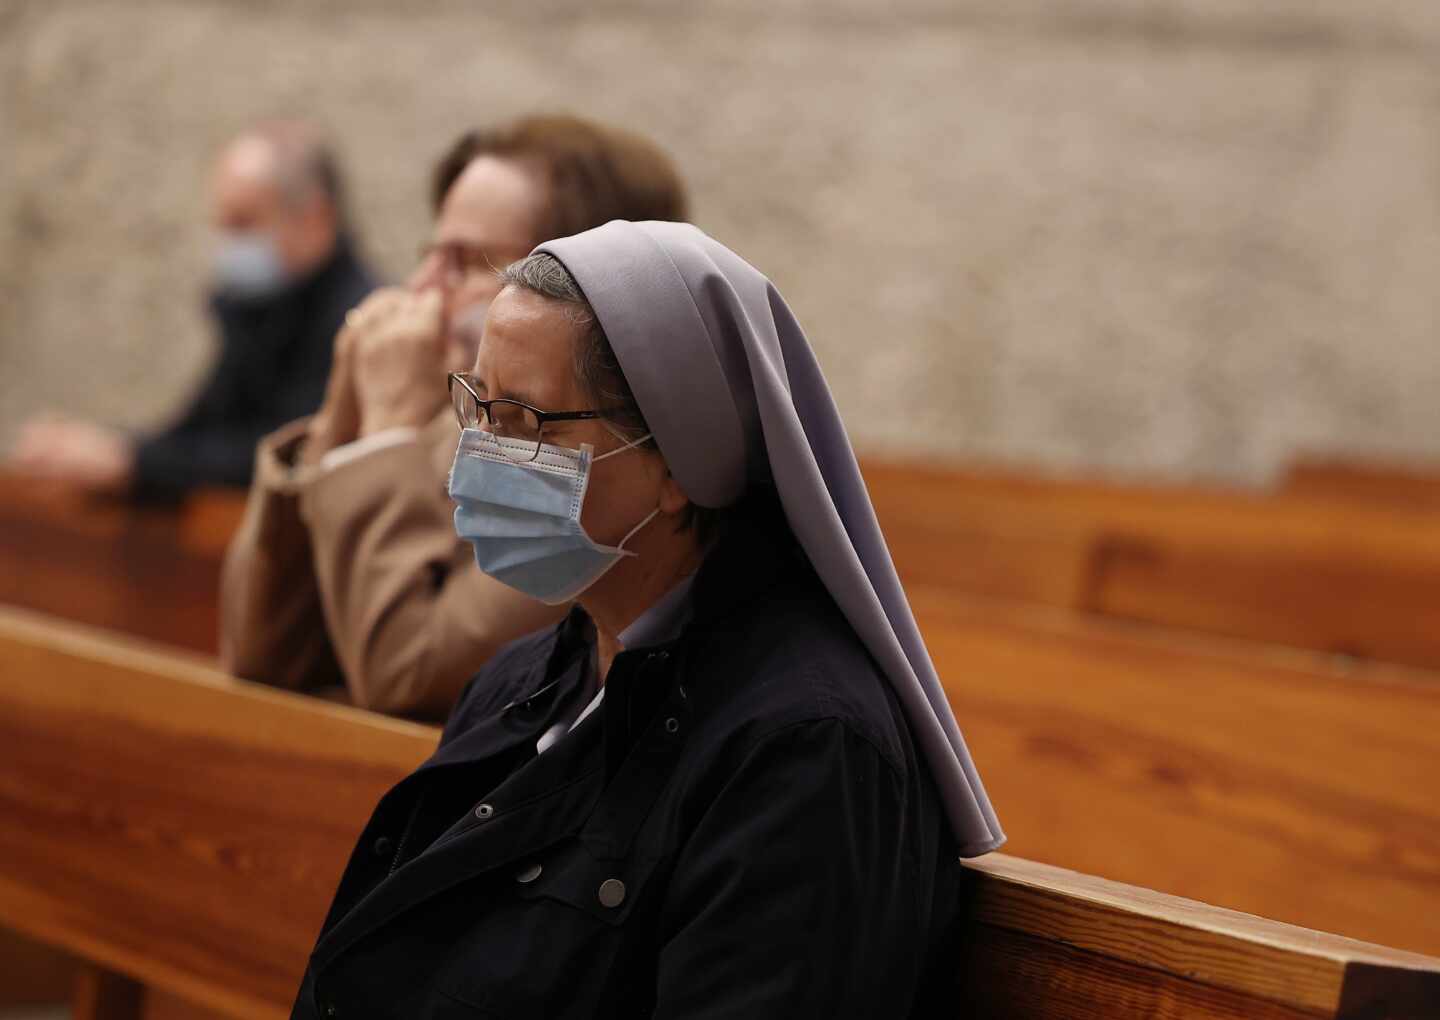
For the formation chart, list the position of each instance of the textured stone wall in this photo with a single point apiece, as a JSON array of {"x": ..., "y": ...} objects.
[{"x": 1179, "y": 238}]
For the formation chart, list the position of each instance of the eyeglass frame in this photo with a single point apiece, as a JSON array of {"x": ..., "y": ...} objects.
[{"x": 481, "y": 403}]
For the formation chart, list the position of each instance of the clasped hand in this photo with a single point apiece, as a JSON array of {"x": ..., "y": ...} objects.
[
  {"x": 388, "y": 369},
  {"x": 77, "y": 453}
]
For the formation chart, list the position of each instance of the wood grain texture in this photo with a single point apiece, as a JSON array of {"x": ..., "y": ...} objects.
[
  {"x": 185, "y": 830},
  {"x": 1004, "y": 974},
  {"x": 1073, "y": 945},
  {"x": 1266, "y": 780},
  {"x": 1249, "y": 955},
  {"x": 1353, "y": 579},
  {"x": 168, "y": 822},
  {"x": 152, "y": 571}
]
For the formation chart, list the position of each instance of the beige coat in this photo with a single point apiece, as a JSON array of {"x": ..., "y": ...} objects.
[{"x": 355, "y": 575}]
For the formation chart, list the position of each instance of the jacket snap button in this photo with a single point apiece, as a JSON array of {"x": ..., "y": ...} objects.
[
  {"x": 484, "y": 811},
  {"x": 529, "y": 874},
  {"x": 612, "y": 892},
  {"x": 383, "y": 846},
  {"x": 672, "y": 725}
]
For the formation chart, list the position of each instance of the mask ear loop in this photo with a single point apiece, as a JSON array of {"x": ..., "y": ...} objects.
[
  {"x": 649, "y": 517},
  {"x": 621, "y": 449}
]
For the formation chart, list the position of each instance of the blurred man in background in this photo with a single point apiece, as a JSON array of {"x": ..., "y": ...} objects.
[
  {"x": 346, "y": 567},
  {"x": 285, "y": 274}
]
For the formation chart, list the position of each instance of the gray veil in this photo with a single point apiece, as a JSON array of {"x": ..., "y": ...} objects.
[{"x": 732, "y": 392}]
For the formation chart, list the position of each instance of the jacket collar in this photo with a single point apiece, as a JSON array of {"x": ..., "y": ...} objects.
[{"x": 556, "y": 677}]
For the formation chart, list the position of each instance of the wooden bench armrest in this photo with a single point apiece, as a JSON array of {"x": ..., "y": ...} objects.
[{"x": 1175, "y": 950}]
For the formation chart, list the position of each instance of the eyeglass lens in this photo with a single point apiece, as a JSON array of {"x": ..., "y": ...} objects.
[{"x": 506, "y": 419}]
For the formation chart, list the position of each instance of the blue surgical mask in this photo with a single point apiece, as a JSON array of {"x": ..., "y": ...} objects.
[
  {"x": 248, "y": 265},
  {"x": 523, "y": 518}
]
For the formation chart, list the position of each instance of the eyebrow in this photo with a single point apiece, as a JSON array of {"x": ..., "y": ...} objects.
[{"x": 484, "y": 391}]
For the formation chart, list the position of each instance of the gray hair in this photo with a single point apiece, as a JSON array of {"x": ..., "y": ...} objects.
[
  {"x": 547, "y": 276},
  {"x": 597, "y": 370}
]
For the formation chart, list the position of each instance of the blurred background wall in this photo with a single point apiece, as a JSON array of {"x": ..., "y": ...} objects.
[{"x": 1179, "y": 239}]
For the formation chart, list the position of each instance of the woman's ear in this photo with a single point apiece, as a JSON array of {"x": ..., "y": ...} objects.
[{"x": 672, "y": 497}]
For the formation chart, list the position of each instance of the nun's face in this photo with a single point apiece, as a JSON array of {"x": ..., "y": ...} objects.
[{"x": 527, "y": 353}]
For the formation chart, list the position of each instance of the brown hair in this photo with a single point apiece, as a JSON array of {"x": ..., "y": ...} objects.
[{"x": 595, "y": 173}]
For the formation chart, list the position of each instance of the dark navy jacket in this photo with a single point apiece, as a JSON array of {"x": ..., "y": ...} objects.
[
  {"x": 743, "y": 829},
  {"x": 273, "y": 365}
]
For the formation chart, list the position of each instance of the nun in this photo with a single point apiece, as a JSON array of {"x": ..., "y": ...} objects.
[{"x": 728, "y": 784}]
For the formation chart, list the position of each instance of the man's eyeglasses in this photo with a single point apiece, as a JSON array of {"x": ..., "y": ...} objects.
[{"x": 505, "y": 418}]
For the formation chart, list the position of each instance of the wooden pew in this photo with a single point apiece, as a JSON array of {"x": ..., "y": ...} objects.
[
  {"x": 1350, "y": 579},
  {"x": 1358, "y": 580},
  {"x": 1042, "y": 943},
  {"x": 152, "y": 570},
  {"x": 1338, "y": 576},
  {"x": 1245, "y": 777},
  {"x": 149, "y": 570},
  {"x": 1367, "y": 481},
  {"x": 1263, "y": 877},
  {"x": 183, "y": 832},
  {"x": 172, "y": 824}
]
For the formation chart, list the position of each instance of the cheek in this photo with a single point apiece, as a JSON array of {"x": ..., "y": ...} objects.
[
  {"x": 282, "y": 228},
  {"x": 620, "y": 498},
  {"x": 289, "y": 235}
]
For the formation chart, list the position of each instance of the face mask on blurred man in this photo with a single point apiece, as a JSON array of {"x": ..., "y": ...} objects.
[{"x": 248, "y": 265}]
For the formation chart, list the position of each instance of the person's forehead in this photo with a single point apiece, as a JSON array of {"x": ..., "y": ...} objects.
[
  {"x": 247, "y": 163},
  {"x": 527, "y": 350},
  {"x": 495, "y": 203},
  {"x": 244, "y": 182}
]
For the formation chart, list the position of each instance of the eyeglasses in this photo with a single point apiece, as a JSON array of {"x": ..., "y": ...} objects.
[{"x": 504, "y": 418}]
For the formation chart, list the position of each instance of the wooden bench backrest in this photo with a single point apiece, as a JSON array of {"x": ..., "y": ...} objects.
[
  {"x": 1248, "y": 778},
  {"x": 171, "y": 823},
  {"x": 1351, "y": 579},
  {"x": 151, "y": 571},
  {"x": 1367, "y": 481},
  {"x": 1345, "y": 577},
  {"x": 187, "y": 830}
]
